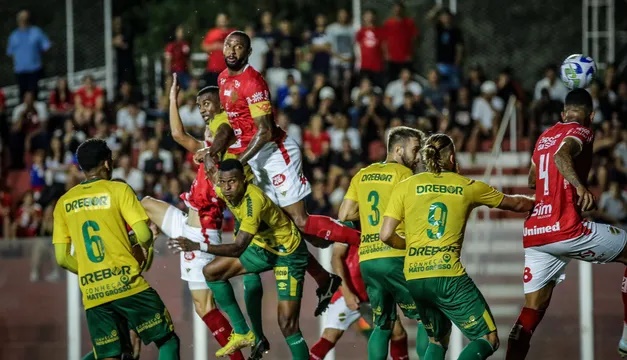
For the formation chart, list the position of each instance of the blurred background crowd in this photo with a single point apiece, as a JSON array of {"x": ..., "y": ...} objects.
[{"x": 336, "y": 89}]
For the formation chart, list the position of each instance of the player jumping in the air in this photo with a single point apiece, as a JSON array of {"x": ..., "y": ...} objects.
[
  {"x": 435, "y": 206},
  {"x": 202, "y": 225},
  {"x": 346, "y": 306},
  {"x": 382, "y": 266},
  {"x": 274, "y": 158},
  {"x": 266, "y": 240},
  {"x": 92, "y": 216},
  {"x": 556, "y": 232}
]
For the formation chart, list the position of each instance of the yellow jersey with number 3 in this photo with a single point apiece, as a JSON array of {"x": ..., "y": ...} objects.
[
  {"x": 435, "y": 208},
  {"x": 256, "y": 214},
  {"x": 371, "y": 188},
  {"x": 92, "y": 216}
]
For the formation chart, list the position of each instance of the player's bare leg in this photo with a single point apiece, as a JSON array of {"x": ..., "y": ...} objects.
[
  {"x": 530, "y": 316},
  {"x": 327, "y": 341},
  {"x": 155, "y": 209},
  {"x": 322, "y": 227},
  {"x": 622, "y": 344},
  {"x": 289, "y": 315},
  {"x": 217, "y": 273}
]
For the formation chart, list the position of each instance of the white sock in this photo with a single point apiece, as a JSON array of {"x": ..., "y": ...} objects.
[{"x": 624, "y": 338}]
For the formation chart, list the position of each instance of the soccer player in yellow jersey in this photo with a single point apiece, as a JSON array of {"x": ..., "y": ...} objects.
[
  {"x": 435, "y": 206},
  {"x": 382, "y": 266},
  {"x": 92, "y": 217},
  {"x": 266, "y": 240}
]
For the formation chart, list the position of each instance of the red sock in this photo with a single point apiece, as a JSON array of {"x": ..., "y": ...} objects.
[
  {"x": 520, "y": 336},
  {"x": 317, "y": 272},
  {"x": 398, "y": 349},
  {"x": 320, "y": 349},
  {"x": 624, "y": 293},
  {"x": 220, "y": 329},
  {"x": 329, "y": 229}
]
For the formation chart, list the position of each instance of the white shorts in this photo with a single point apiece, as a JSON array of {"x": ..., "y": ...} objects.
[
  {"x": 339, "y": 316},
  {"x": 547, "y": 263},
  {"x": 278, "y": 172},
  {"x": 192, "y": 262}
]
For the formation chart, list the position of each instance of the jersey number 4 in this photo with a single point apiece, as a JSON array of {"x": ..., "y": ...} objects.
[
  {"x": 93, "y": 243},
  {"x": 543, "y": 172}
]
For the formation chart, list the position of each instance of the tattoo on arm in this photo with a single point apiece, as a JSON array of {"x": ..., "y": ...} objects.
[
  {"x": 263, "y": 135},
  {"x": 564, "y": 160},
  {"x": 222, "y": 139}
]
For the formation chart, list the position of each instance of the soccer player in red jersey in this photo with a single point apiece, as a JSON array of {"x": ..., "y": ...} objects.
[
  {"x": 556, "y": 232},
  {"x": 346, "y": 304},
  {"x": 274, "y": 158},
  {"x": 203, "y": 222}
]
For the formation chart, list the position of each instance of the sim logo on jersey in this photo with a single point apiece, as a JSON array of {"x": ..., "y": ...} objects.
[
  {"x": 547, "y": 142},
  {"x": 542, "y": 210},
  {"x": 278, "y": 180}
]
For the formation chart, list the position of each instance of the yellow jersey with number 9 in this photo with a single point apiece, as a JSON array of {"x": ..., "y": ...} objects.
[
  {"x": 371, "y": 188},
  {"x": 435, "y": 208},
  {"x": 92, "y": 216}
]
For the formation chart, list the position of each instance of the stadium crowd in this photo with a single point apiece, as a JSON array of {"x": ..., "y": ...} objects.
[{"x": 335, "y": 91}]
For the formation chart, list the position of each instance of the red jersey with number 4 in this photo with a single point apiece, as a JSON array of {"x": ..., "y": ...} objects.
[
  {"x": 202, "y": 198},
  {"x": 355, "y": 282},
  {"x": 556, "y": 216},
  {"x": 244, "y": 96}
]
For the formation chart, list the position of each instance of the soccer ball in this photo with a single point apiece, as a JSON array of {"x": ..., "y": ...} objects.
[{"x": 577, "y": 71}]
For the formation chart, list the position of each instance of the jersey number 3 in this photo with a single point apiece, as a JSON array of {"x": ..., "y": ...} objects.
[
  {"x": 543, "y": 173},
  {"x": 93, "y": 243},
  {"x": 373, "y": 200},
  {"x": 438, "y": 222}
]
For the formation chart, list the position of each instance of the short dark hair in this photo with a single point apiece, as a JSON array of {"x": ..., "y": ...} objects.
[
  {"x": 242, "y": 35},
  {"x": 211, "y": 89},
  {"x": 401, "y": 134},
  {"x": 579, "y": 97},
  {"x": 231, "y": 164},
  {"x": 92, "y": 153}
]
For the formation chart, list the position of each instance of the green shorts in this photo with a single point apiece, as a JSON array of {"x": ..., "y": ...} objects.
[
  {"x": 386, "y": 287},
  {"x": 109, "y": 323},
  {"x": 441, "y": 300},
  {"x": 289, "y": 270}
]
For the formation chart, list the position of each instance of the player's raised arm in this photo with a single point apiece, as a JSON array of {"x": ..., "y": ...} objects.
[
  {"x": 222, "y": 139},
  {"x": 564, "y": 160},
  {"x": 264, "y": 120},
  {"x": 62, "y": 241},
  {"x": 179, "y": 134},
  {"x": 484, "y": 194}
]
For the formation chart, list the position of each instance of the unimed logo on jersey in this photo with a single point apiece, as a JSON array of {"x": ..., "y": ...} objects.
[{"x": 541, "y": 230}]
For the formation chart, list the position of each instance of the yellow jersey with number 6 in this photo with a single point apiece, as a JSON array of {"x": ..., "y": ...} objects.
[
  {"x": 371, "y": 188},
  {"x": 435, "y": 208},
  {"x": 92, "y": 216}
]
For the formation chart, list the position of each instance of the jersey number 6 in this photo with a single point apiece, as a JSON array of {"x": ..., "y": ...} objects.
[{"x": 93, "y": 243}]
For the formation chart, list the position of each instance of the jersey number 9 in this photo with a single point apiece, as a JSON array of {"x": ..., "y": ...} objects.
[
  {"x": 437, "y": 221},
  {"x": 93, "y": 243},
  {"x": 373, "y": 200}
]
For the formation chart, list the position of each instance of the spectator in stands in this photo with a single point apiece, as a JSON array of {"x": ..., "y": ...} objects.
[
  {"x": 369, "y": 39},
  {"x": 177, "y": 57},
  {"x": 605, "y": 139},
  {"x": 27, "y": 217},
  {"x": 318, "y": 203},
  {"x": 57, "y": 164},
  {"x": 401, "y": 36},
  {"x": 294, "y": 131},
  {"x": 613, "y": 205},
  {"x": 319, "y": 82},
  {"x": 212, "y": 44},
  {"x": 72, "y": 137},
  {"x": 114, "y": 139},
  {"x": 260, "y": 48},
  {"x": 459, "y": 122},
  {"x": 449, "y": 47},
  {"x": 476, "y": 77},
  {"x": 486, "y": 115},
  {"x": 89, "y": 103},
  {"x": 395, "y": 91},
  {"x": 320, "y": 47},
  {"x": 43, "y": 248},
  {"x": 341, "y": 35},
  {"x": 296, "y": 109},
  {"x": 6, "y": 201},
  {"x": 269, "y": 33},
  {"x": 337, "y": 194},
  {"x": 315, "y": 145},
  {"x": 61, "y": 102},
  {"x": 285, "y": 93},
  {"x": 373, "y": 120},
  {"x": 155, "y": 161},
  {"x": 345, "y": 161},
  {"x": 124, "y": 44},
  {"x": 190, "y": 116},
  {"x": 435, "y": 96},
  {"x": 26, "y": 45},
  {"x": 600, "y": 103},
  {"x": 162, "y": 134},
  {"x": 340, "y": 131},
  {"x": 412, "y": 111},
  {"x": 620, "y": 103},
  {"x": 286, "y": 50},
  {"x": 557, "y": 89},
  {"x": 327, "y": 105},
  {"x": 38, "y": 174},
  {"x": 507, "y": 86},
  {"x": 546, "y": 112},
  {"x": 132, "y": 176},
  {"x": 131, "y": 119},
  {"x": 171, "y": 194},
  {"x": 360, "y": 95},
  {"x": 28, "y": 129}
]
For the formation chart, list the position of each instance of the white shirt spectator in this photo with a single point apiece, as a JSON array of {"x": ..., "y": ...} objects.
[
  {"x": 613, "y": 206},
  {"x": 258, "y": 56},
  {"x": 129, "y": 123},
  {"x": 336, "y": 197},
  {"x": 482, "y": 111},
  {"x": 190, "y": 116},
  {"x": 164, "y": 155},
  {"x": 40, "y": 106},
  {"x": 342, "y": 39},
  {"x": 337, "y": 137},
  {"x": 134, "y": 178},
  {"x": 396, "y": 91},
  {"x": 557, "y": 91}
]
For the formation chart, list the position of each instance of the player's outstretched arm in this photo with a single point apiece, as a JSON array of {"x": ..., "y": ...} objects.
[
  {"x": 388, "y": 234},
  {"x": 222, "y": 139},
  {"x": 349, "y": 210},
  {"x": 265, "y": 124},
  {"x": 64, "y": 257},
  {"x": 517, "y": 203},
  {"x": 242, "y": 240},
  {"x": 179, "y": 134}
]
